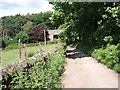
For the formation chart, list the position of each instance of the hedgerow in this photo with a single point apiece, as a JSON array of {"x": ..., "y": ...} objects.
[
  {"x": 109, "y": 55},
  {"x": 43, "y": 74}
]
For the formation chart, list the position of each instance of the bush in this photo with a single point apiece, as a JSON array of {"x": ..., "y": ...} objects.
[
  {"x": 62, "y": 37},
  {"x": 117, "y": 67},
  {"x": 6, "y": 40},
  {"x": 110, "y": 55},
  {"x": 22, "y": 36},
  {"x": 3, "y": 45},
  {"x": 108, "y": 39}
]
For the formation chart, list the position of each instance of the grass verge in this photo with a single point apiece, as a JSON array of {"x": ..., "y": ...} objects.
[
  {"x": 10, "y": 55},
  {"x": 41, "y": 75}
]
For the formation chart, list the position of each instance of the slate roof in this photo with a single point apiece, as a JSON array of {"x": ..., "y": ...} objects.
[{"x": 55, "y": 32}]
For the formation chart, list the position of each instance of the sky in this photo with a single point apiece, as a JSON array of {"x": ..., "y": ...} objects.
[{"x": 13, "y": 7}]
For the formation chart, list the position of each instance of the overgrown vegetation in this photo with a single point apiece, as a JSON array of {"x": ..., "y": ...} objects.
[
  {"x": 93, "y": 28},
  {"x": 43, "y": 74},
  {"x": 109, "y": 55}
]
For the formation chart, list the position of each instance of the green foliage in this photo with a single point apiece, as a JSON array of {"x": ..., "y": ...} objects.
[
  {"x": 41, "y": 18},
  {"x": 90, "y": 22},
  {"x": 23, "y": 36},
  {"x": 79, "y": 19},
  {"x": 30, "y": 54},
  {"x": 27, "y": 27},
  {"x": 62, "y": 27},
  {"x": 41, "y": 74},
  {"x": 109, "y": 56},
  {"x": 117, "y": 67},
  {"x": 92, "y": 25},
  {"x": 3, "y": 45},
  {"x": 108, "y": 39},
  {"x": 57, "y": 18},
  {"x": 109, "y": 24},
  {"x": 61, "y": 36},
  {"x": 6, "y": 40},
  {"x": 11, "y": 25}
]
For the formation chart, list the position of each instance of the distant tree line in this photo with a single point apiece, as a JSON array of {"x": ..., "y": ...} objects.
[{"x": 18, "y": 26}]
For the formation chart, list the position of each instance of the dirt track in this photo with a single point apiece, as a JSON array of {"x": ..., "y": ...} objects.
[{"x": 84, "y": 72}]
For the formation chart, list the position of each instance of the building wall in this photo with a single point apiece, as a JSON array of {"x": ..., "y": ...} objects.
[{"x": 51, "y": 36}]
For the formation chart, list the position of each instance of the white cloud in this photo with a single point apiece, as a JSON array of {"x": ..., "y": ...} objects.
[{"x": 12, "y": 7}]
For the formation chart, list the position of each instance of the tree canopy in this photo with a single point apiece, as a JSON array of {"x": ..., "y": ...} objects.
[{"x": 90, "y": 21}]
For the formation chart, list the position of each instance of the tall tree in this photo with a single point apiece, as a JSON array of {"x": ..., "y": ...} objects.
[{"x": 82, "y": 20}]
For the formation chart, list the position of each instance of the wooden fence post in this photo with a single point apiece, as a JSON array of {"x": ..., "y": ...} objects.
[
  {"x": 25, "y": 57},
  {"x": 20, "y": 52},
  {"x": 40, "y": 50}
]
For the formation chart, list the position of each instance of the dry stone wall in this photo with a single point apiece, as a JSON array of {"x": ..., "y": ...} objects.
[{"x": 7, "y": 71}]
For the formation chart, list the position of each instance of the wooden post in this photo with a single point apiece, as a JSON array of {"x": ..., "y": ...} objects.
[
  {"x": 25, "y": 57},
  {"x": 45, "y": 37},
  {"x": 20, "y": 52},
  {"x": 40, "y": 50}
]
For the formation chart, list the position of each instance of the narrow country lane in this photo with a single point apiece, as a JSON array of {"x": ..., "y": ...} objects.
[{"x": 85, "y": 72}]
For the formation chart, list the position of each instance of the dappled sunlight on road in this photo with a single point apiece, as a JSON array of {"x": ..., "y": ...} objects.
[
  {"x": 82, "y": 71},
  {"x": 74, "y": 53}
]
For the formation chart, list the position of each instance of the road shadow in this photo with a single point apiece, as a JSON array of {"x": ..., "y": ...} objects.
[{"x": 73, "y": 53}]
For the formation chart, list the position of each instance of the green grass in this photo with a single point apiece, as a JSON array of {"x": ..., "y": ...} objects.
[
  {"x": 43, "y": 74},
  {"x": 10, "y": 55},
  {"x": 15, "y": 46}
]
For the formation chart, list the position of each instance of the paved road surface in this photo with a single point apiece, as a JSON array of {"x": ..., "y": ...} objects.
[{"x": 84, "y": 72}]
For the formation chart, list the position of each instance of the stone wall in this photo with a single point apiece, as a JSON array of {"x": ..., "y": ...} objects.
[{"x": 7, "y": 71}]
